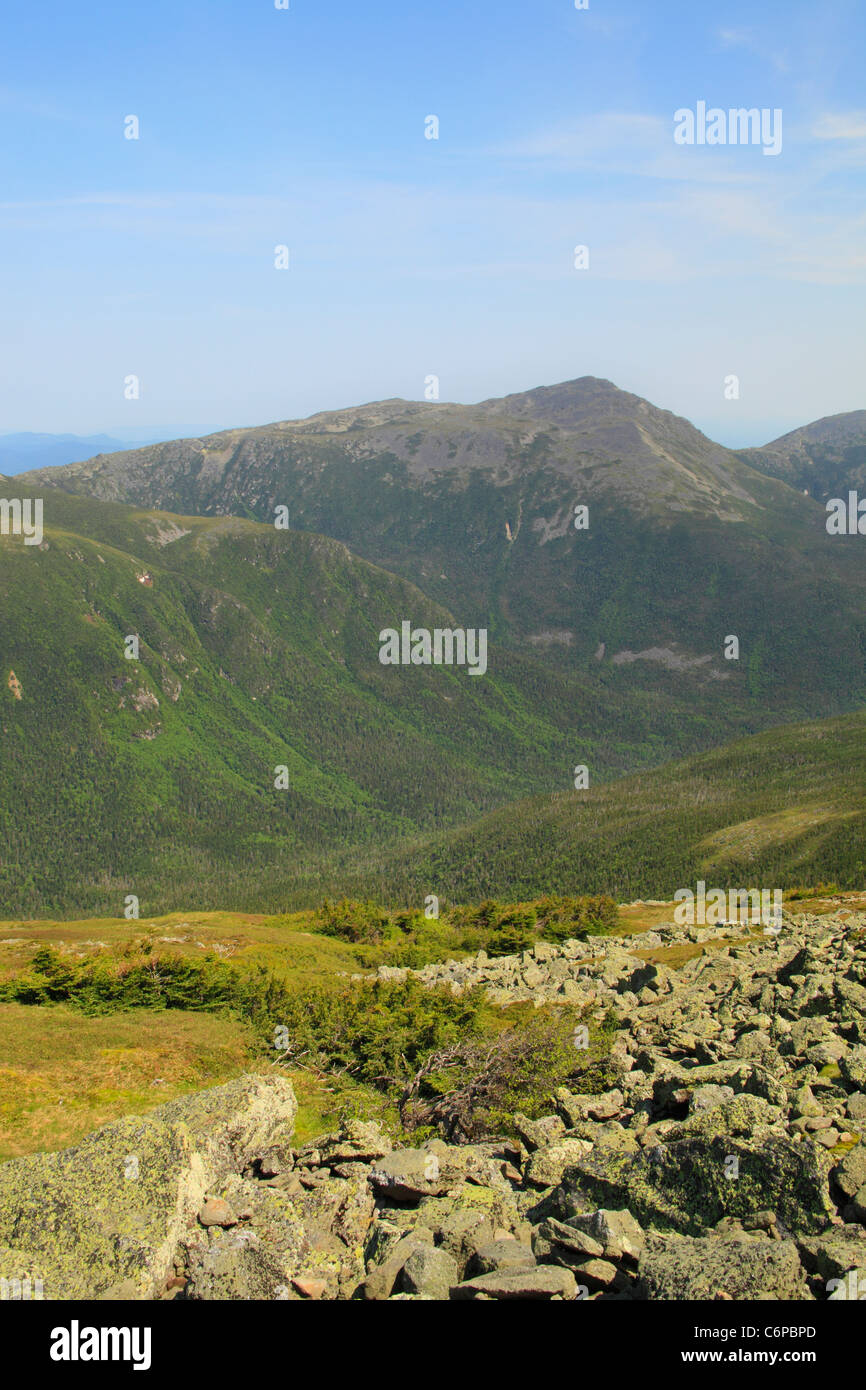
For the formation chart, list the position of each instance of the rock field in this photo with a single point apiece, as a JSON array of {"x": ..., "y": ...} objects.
[{"x": 726, "y": 1162}]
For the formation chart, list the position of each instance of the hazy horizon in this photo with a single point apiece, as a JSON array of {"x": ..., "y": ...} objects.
[
  {"x": 143, "y": 435},
  {"x": 156, "y": 257}
]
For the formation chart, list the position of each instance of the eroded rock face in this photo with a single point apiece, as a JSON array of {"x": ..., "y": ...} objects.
[{"x": 725, "y": 1162}]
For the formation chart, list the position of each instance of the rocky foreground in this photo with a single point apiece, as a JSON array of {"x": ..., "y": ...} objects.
[{"x": 726, "y": 1163}]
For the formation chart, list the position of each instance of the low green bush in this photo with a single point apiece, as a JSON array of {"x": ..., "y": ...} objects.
[{"x": 453, "y": 1062}]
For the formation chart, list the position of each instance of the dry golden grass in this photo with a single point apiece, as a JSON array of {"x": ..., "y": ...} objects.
[
  {"x": 64, "y": 1074},
  {"x": 282, "y": 943}
]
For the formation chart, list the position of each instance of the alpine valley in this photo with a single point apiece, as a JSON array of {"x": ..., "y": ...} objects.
[
  {"x": 610, "y": 648},
  {"x": 353, "y": 774}
]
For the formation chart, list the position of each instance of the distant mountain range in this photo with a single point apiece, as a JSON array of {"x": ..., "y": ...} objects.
[
  {"x": 687, "y": 542},
  {"x": 610, "y": 642},
  {"x": 27, "y": 451}
]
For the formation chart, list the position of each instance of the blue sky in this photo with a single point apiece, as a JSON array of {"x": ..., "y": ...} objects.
[{"x": 409, "y": 257}]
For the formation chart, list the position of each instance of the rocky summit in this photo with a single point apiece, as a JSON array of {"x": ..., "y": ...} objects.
[{"x": 725, "y": 1163}]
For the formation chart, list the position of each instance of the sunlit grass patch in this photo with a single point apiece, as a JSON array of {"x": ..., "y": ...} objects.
[
  {"x": 753, "y": 837},
  {"x": 65, "y": 1073}
]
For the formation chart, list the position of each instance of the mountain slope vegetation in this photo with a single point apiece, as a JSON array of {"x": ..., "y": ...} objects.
[
  {"x": 258, "y": 651},
  {"x": 777, "y": 810},
  {"x": 258, "y": 665},
  {"x": 686, "y": 543},
  {"x": 825, "y": 458}
]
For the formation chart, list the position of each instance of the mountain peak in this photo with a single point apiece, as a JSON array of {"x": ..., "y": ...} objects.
[
  {"x": 824, "y": 458},
  {"x": 568, "y": 403},
  {"x": 831, "y": 430}
]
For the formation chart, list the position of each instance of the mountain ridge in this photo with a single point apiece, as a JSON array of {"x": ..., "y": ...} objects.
[
  {"x": 783, "y": 807},
  {"x": 825, "y": 458},
  {"x": 685, "y": 541},
  {"x": 599, "y": 414},
  {"x": 609, "y": 645}
]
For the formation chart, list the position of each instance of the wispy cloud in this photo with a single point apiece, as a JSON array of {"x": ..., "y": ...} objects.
[
  {"x": 629, "y": 144},
  {"x": 692, "y": 227},
  {"x": 25, "y": 104},
  {"x": 849, "y": 125},
  {"x": 734, "y": 38},
  {"x": 747, "y": 39}
]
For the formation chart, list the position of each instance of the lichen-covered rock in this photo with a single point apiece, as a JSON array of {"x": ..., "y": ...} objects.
[
  {"x": 709, "y": 1097},
  {"x": 835, "y": 1252},
  {"x": 537, "y": 1134},
  {"x": 741, "y": 1115},
  {"x": 568, "y": 1236},
  {"x": 383, "y": 1275},
  {"x": 849, "y": 1175},
  {"x": 677, "y": 1267},
  {"x": 544, "y": 1281},
  {"x": 853, "y": 1066},
  {"x": 498, "y": 1207},
  {"x": 546, "y": 1166},
  {"x": 618, "y": 1234},
  {"x": 108, "y": 1215},
  {"x": 850, "y": 1288},
  {"x": 429, "y": 1271},
  {"x": 692, "y": 1184},
  {"x": 407, "y": 1175},
  {"x": 238, "y": 1267},
  {"x": 356, "y": 1142},
  {"x": 461, "y": 1232},
  {"x": 500, "y": 1254}
]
